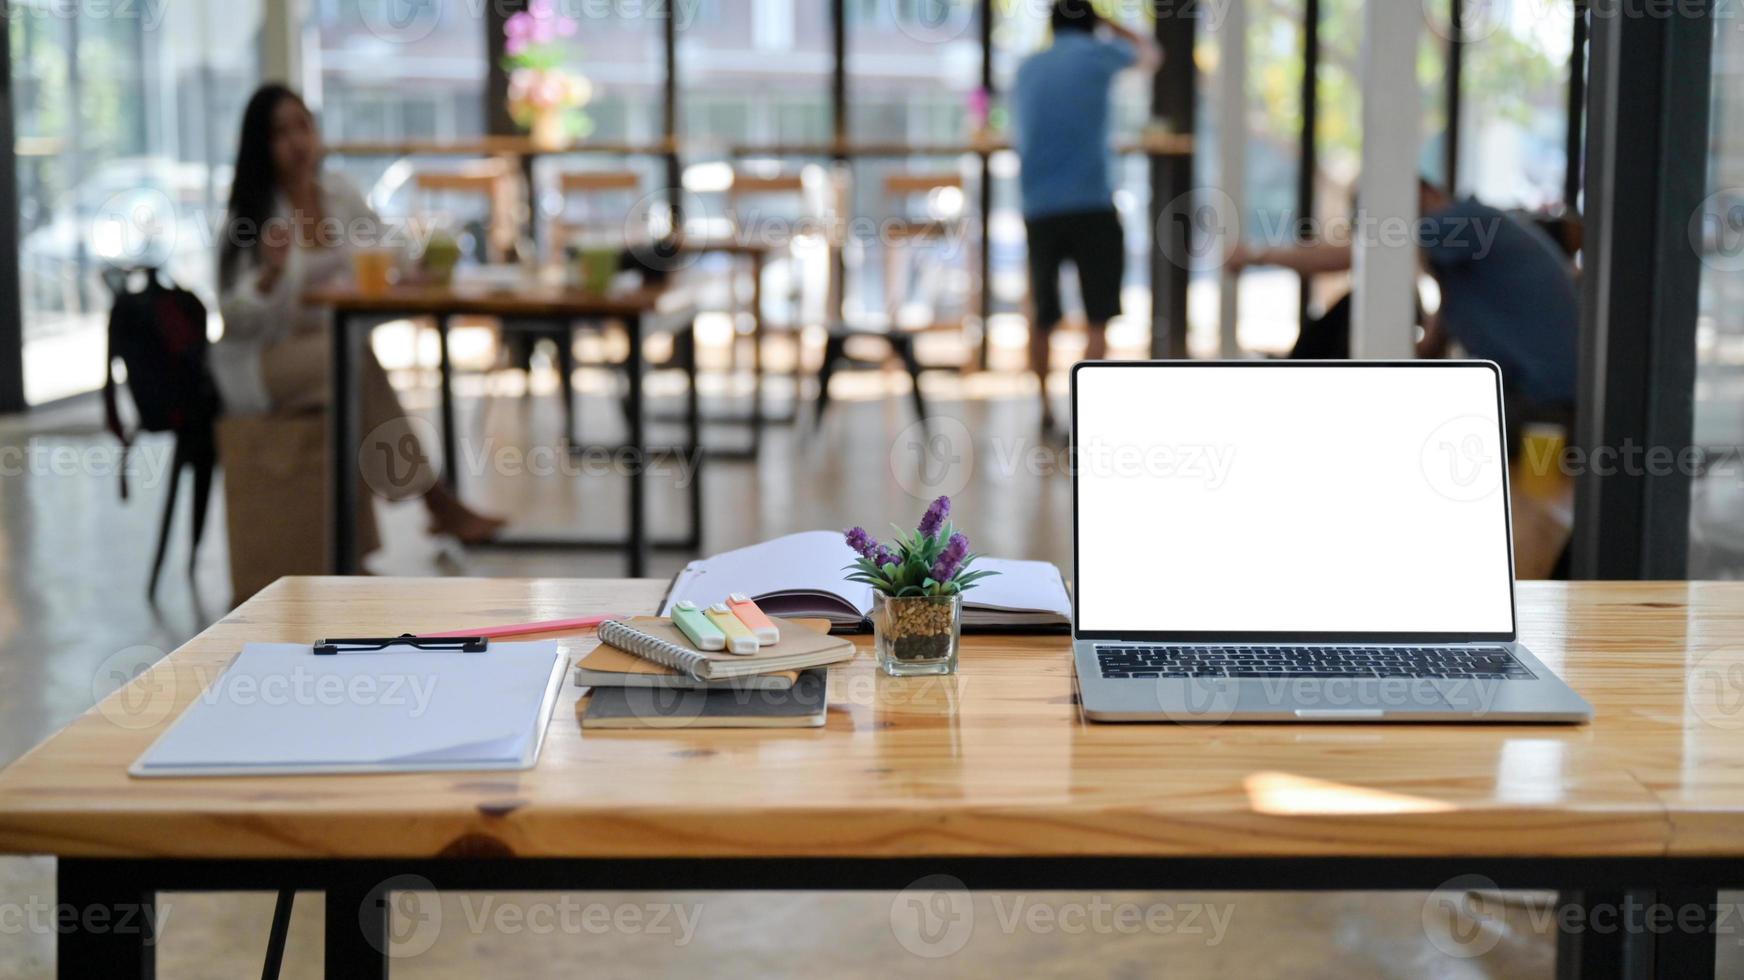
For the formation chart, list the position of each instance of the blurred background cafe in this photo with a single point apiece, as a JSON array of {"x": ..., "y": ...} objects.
[
  {"x": 629, "y": 282},
  {"x": 828, "y": 197},
  {"x": 829, "y": 194}
]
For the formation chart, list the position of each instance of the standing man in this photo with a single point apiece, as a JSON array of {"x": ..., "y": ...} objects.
[{"x": 1061, "y": 105}]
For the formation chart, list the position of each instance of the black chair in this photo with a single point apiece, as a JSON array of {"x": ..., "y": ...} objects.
[
  {"x": 900, "y": 344},
  {"x": 197, "y": 450},
  {"x": 158, "y": 331}
]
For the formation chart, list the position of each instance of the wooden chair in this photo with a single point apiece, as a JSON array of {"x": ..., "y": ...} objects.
[
  {"x": 749, "y": 191},
  {"x": 606, "y": 196},
  {"x": 493, "y": 183},
  {"x": 906, "y": 234},
  {"x": 915, "y": 239}
]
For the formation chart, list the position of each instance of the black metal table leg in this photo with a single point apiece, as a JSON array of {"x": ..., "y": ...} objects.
[
  {"x": 1637, "y": 933},
  {"x": 356, "y": 917},
  {"x": 342, "y": 453},
  {"x": 450, "y": 438},
  {"x": 104, "y": 923},
  {"x": 1690, "y": 947},
  {"x": 637, "y": 455},
  {"x": 757, "y": 417}
]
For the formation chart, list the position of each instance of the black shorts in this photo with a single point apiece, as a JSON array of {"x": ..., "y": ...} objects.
[{"x": 1093, "y": 242}]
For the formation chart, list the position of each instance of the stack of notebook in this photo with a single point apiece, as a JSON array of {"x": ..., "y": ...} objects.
[{"x": 646, "y": 674}]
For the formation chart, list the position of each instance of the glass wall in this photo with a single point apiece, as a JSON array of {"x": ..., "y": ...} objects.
[
  {"x": 1514, "y": 122},
  {"x": 384, "y": 70},
  {"x": 914, "y": 68},
  {"x": 1717, "y": 503},
  {"x": 120, "y": 106},
  {"x": 1338, "y": 145},
  {"x": 125, "y": 134},
  {"x": 1269, "y": 298},
  {"x": 754, "y": 72}
]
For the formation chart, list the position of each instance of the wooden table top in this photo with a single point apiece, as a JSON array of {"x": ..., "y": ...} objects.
[
  {"x": 1156, "y": 143},
  {"x": 1152, "y": 144},
  {"x": 508, "y": 145},
  {"x": 994, "y": 761},
  {"x": 528, "y": 299}
]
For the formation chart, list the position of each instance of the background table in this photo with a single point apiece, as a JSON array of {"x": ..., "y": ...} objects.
[
  {"x": 533, "y": 300},
  {"x": 989, "y": 776}
]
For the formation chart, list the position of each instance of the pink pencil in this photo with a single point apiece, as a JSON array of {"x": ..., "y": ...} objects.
[{"x": 519, "y": 629}]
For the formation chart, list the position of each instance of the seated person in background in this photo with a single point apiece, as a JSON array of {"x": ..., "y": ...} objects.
[
  {"x": 291, "y": 227},
  {"x": 1061, "y": 105},
  {"x": 1507, "y": 295}
]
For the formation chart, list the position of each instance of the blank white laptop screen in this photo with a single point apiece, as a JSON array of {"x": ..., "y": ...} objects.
[{"x": 1291, "y": 499}]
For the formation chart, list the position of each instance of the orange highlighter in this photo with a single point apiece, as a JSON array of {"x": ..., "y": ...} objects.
[{"x": 761, "y": 627}]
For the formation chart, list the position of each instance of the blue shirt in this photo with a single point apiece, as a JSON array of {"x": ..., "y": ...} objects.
[
  {"x": 1060, "y": 106},
  {"x": 1507, "y": 295}
]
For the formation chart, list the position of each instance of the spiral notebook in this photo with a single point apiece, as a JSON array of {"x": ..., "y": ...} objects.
[{"x": 658, "y": 640}]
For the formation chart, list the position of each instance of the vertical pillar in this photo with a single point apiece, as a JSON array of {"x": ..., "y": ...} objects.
[
  {"x": 1385, "y": 262},
  {"x": 11, "y": 301},
  {"x": 1173, "y": 94},
  {"x": 1309, "y": 154},
  {"x": 1232, "y": 161},
  {"x": 1646, "y": 180},
  {"x": 985, "y": 259},
  {"x": 1577, "y": 107},
  {"x": 281, "y": 42},
  {"x": 1455, "y": 78}
]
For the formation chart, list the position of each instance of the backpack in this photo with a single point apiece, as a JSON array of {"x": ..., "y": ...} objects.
[{"x": 159, "y": 332}]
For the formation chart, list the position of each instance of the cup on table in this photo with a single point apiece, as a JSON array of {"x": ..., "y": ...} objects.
[
  {"x": 594, "y": 267},
  {"x": 374, "y": 270}
]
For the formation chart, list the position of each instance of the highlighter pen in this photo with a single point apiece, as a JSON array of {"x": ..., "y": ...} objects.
[
  {"x": 739, "y": 639},
  {"x": 697, "y": 628},
  {"x": 760, "y": 626}
]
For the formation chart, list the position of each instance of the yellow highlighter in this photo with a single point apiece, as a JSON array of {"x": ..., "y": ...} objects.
[{"x": 739, "y": 638}]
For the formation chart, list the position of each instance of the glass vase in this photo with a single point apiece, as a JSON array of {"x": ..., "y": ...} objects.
[{"x": 917, "y": 635}]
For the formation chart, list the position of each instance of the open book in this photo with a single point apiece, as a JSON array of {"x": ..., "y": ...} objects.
[{"x": 804, "y": 575}]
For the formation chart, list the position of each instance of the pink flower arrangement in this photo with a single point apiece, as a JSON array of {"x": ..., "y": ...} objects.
[
  {"x": 541, "y": 91},
  {"x": 539, "y": 24}
]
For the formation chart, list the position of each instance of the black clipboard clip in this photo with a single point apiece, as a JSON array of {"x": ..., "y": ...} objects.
[{"x": 368, "y": 644}]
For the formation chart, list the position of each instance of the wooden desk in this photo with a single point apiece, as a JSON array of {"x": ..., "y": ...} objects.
[
  {"x": 989, "y": 776},
  {"x": 1147, "y": 144},
  {"x": 506, "y": 146},
  {"x": 527, "y": 300}
]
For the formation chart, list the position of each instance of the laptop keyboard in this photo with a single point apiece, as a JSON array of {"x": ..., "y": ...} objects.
[{"x": 1135, "y": 661}]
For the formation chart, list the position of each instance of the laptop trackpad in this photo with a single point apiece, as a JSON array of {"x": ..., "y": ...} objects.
[{"x": 1352, "y": 698}]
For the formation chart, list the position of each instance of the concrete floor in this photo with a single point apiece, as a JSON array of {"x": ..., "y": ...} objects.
[{"x": 73, "y": 563}]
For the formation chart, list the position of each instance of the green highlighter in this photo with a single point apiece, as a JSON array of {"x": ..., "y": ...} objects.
[{"x": 697, "y": 628}]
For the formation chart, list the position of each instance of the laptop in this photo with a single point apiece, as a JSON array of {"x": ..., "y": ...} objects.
[{"x": 1298, "y": 541}]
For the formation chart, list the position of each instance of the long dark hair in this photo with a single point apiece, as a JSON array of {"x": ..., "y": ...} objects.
[{"x": 253, "y": 183}]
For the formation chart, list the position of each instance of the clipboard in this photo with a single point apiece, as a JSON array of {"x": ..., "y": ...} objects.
[{"x": 276, "y": 709}]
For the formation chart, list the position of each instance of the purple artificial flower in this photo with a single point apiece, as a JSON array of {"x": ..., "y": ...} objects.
[
  {"x": 884, "y": 557},
  {"x": 935, "y": 516},
  {"x": 864, "y": 544},
  {"x": 950, "y": 560}
]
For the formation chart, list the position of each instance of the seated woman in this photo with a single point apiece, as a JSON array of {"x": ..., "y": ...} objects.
[{"x": 292, "y": 227}]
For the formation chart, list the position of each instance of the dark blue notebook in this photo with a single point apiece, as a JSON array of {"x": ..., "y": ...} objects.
[{"x": 800, "y": 706}]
